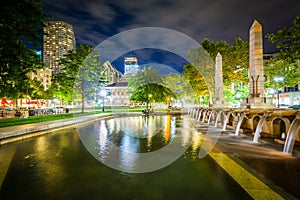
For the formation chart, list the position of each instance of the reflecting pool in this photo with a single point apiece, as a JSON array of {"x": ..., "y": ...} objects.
[{"x": 107, "y": 160}]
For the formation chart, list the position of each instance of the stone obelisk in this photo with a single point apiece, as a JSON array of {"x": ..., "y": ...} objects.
[
  {"x": 218, "y": 79},
  {"x": 256, "y": 68}
]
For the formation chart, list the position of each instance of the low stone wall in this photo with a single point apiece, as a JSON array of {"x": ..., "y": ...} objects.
[
  {"x": 12, "y": 134},
  {"x": 277, "y": 122}
]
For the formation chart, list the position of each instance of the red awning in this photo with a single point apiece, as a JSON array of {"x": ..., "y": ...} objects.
[
  {"x": 3, "y": 101},
  {"x": 32, "y": 102}
]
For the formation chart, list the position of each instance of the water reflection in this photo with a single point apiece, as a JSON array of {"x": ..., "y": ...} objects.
[
  {"x": 133, "y": 143},
  {"x": 102, "y": 140},
  {"x": 57, "y": 166}
]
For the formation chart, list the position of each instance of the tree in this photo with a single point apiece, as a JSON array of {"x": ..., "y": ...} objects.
[
  {"x": 174, "y": 83},
  {"x": 204, "y": 65},
  {"x": 235, "y": 59},
  {"x": 286, "y": 62},
  {"x": 281, "y": 68},
  {"x": 18, "y": 29},
  {"x": 196, "y": 85},
  {"x": 287, "y": 40},
  {"x": 146, "y": 86},
  {"x": 235, "y": 64},
  {"x": 81, "y": 74}
]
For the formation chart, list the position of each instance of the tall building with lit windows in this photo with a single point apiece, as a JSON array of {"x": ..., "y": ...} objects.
[
  {"x": 59, "y": 38},
  {"x": 131, "y": 66}
]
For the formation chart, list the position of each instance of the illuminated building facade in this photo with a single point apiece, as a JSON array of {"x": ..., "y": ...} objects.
[
  {"x": 59, "y": 38},
  {"x": 131, "y": 66}
]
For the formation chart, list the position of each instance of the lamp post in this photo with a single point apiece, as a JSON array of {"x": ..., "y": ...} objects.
[
  {"x": 277, "y": 80},
  {"x": 103, "y": 95}
]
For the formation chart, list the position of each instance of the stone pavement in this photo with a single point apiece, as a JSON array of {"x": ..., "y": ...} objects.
[{"x": 265, "y": 161}]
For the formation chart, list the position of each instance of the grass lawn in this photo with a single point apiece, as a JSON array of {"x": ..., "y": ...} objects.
[
  {"x": 40, "y": 118},
  {"x": 43, "y": 118}
]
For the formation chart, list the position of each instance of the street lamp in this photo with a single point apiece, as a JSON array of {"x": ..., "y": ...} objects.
[
  {"x": 277, "y": 80},
  {"x": 103, "y": 95}
]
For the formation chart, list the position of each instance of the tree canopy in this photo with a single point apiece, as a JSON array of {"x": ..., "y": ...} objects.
[
  {"x": 235, "y": 58},
  {"x": 287, "y": 40},
  {"x": 21, "y": 25},
  {"x": 201, "y": 72},
  {"x": 81, "y": 74},
  {"x": 147, "y": 86},
  {"x": 286, "y": 62}
]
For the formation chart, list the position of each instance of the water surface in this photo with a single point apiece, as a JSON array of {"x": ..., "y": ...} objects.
[{"x": 58, "y": 166}]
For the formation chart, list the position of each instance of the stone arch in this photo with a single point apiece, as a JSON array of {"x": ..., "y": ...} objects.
[
  {"x": 280, "y": 125},
  {"x": 230, "y": 119}
]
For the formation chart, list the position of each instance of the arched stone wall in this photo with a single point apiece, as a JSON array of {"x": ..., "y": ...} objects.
[
  {"x": 277, "y": 131},
  {"x": 230, "y": 119}
]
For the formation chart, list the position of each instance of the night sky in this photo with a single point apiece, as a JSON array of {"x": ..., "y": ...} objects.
[{"x": 96, "y": 20}]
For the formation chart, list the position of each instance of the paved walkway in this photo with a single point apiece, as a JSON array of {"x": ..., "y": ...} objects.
[{"x": 266, "y": 163}]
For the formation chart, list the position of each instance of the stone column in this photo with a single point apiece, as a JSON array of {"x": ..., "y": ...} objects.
[
  {"x": 256, "y": 69},
  {"x": 218, "y": 79}
]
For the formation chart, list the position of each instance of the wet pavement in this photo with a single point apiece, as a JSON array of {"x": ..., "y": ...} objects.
[{"x": 266, "y": 161}]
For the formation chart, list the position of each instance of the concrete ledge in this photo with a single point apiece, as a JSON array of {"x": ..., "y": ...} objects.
[
  {"x": 16, "y": 133},
  {"x": 21, "y": 132}
]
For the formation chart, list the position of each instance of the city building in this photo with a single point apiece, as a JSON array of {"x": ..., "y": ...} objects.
[
  {"x": 131, "y": 66},
  {"x": 112, "y": 75},
  {"x": 117, "y": 91},
  {"x": 43, "y": 75},
  {"x": 118, "y": 95},
  {"x": 59, "y": 38}
]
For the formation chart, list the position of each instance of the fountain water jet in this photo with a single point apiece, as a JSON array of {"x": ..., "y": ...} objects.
[
  {"x": 192, "y": 112},
  {"x": 218, "y": 117},
  {"x": 209, "y": 118},
  {"x": 226, "y": 120},
  {"x": 199, "y": 116},
  {"x": 238, "y": 126},
  {"x": 204, "y": 115},
  {"x": 291, "y": 136},
  {"x": 197, "y": 113},
  {"x": 259, "y": 127}
]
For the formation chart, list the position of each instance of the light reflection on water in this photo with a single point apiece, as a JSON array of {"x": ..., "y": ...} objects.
[
  {"x": 127, "y": 142},
  {"x": 57, "y": 166}
]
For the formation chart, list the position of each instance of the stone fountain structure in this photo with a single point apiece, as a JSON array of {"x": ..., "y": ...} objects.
[
  {"x": 257, "y": 116},
  {"x": 219, "y": 86},
  {"x": 256, "y": 99},
  {"x": 281, "y": 126}
]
